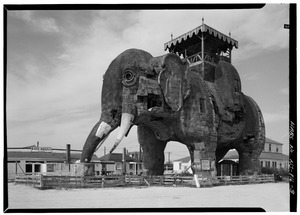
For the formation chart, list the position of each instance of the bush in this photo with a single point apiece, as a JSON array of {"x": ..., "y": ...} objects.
[{"x": 270, "y": 170}]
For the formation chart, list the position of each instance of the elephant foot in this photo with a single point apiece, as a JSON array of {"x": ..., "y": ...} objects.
[{"x": 153, "y": 151}]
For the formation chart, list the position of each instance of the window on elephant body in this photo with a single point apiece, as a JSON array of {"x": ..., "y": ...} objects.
[
  {"x": 153, "y": 101},
  {"x": 236, "y": 85},
  {"x": 202, "y": 105},
  {"x": 141, "y": 99}
]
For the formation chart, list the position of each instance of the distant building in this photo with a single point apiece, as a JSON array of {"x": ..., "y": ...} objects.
[
  {"x": 271, "y": 156},
  {"x": 40, "y": 160},
  {"x": 182, "y": 165},
  {"x": 113, "y": 164}
]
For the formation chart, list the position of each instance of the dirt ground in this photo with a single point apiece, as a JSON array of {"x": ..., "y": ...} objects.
[{"x": 272, "y": 197}]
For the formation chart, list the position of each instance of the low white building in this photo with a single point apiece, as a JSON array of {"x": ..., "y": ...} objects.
[{"x": 182, "y": 165}]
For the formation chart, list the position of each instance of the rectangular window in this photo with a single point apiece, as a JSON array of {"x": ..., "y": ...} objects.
[
  {"x": 277, "y": 149},
  {"x": 37, "y": 167},
  {"x": 179, "y": 166},
  {"x": 28, "y": 168},
  {"x": 131, "y": 166},
  {"x": 270, "y": 147},
  {"x": 118, "y": 166},
  {"x": 261, "y": 163},
  {"x": 202, "y": 105}
]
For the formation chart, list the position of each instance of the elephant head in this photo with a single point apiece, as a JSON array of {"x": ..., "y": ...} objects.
[{"x": 136, "y": 87}]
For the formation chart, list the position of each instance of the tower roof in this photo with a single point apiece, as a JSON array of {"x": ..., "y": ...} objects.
[{"x": 214, "y": 41}]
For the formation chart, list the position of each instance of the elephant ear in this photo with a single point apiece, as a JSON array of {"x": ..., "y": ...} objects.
[{"x": 171, "y": 80}]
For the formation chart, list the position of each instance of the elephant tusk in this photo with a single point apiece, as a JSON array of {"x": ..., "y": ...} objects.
[
  {"x": 126, "y": 122},
  {"x": 103, "y": 129}
]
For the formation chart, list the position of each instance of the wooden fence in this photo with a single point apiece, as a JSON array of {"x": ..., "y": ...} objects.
[{"x": 51, "y": 181}]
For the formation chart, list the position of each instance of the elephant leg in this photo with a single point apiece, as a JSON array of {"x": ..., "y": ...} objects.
[
  {"x": 249, "y": 163},
  {"x": 153, "y": 151},
  {"x": 253, "y": 143},
  {"x": 203, "y": 160}
]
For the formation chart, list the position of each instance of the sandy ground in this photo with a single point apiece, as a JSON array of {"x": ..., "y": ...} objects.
[{"x": 272, "y": 197}]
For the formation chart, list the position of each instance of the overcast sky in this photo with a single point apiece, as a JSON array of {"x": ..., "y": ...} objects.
[{"x": 56, "y": 60}]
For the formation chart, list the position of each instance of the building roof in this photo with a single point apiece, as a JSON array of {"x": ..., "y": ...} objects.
[
  {"x": 214, "y": 40},
  {"x": 274, "y": 156},
  {"x": 183, "y": 160},
  {"x": 272, "y": 141},
  {"x": 43, "y": 156},
  {"x": 233, "y": 154},
  {"x": 116, "y": 157}
]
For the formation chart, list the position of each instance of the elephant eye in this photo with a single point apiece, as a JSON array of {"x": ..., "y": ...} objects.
[{"x": 129, "y": 78}]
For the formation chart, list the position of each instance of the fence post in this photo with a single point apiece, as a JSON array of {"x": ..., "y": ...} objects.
[
  {"x": 41, "y": 181},
  {"x": 102, "y": 182},
  {"x": 161, "y": 180}
]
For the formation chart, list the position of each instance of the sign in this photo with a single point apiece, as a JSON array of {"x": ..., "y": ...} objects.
[
  {"x": 205, "y": 164},
  {"x": 41, "y": 149}
]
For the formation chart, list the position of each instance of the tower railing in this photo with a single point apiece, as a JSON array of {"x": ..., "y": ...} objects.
[{"x": 209, "y": 58}]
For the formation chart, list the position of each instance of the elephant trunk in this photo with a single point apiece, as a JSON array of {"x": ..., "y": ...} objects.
[{"x": 98, "y": 135}]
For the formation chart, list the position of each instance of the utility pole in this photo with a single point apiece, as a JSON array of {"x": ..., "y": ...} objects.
[{"x": 68, "y": 155}]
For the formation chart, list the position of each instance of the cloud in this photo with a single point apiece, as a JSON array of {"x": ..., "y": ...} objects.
[
  {"x": 275, "y": 117},
  {"x": 46, "y": 24},
  {"x": 250, "y": 76}
]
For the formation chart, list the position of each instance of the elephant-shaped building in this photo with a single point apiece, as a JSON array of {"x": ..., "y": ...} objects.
[{"x": 191, "y": 95}]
